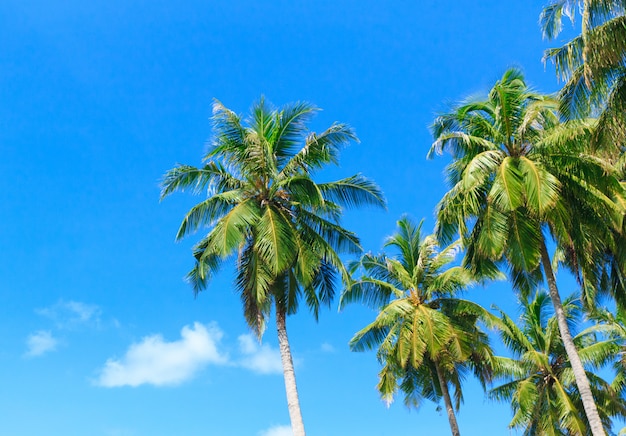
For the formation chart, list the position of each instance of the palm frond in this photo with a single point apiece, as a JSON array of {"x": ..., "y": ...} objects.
[
  {"x": 212, "y": 176},
  {"x": 551, "y": 18},
  {"x": 229, "y": 141},
  {"x": 290, "y": 128},
  {"x": 254, "y": 282},
  {"x": 210, "y": 210},
  {"x": 319, "y": 150},
  {"x": 275, "y": 240},
  {"x": 354, "y": 191},
  {"x": 231, "y": 231}
]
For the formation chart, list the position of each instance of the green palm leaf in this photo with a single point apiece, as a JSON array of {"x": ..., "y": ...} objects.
[
  {"x": 275, "y": 240},
  {"x": 355, "y": 191},
  {"x": 291, "y": 126},
  {"x": 208, "y": 211}
]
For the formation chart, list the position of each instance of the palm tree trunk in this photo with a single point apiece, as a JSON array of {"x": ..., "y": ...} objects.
[
  {"x": 448, "y": 402},
  {"x": 586, "y": 24},
  {"x": 293, "y": 403},
  {"x": 582, "y": 382}
]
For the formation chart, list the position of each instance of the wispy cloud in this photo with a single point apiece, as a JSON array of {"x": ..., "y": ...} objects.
[
  {"x": 68, "y": 314},
  {"x": 158, "y": 362},
  {"x": 327, "y": 348},
  {"x": 40, "y": 343},
  {"x": 261, "y": 359},
  {"x": 278, "y": 430}
]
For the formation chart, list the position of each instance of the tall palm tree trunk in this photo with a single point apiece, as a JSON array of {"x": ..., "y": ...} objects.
[
  {"x": 582, "y": 382},
  {"x": 448, "y": 402},
  {"x": 293, "y": 403}
]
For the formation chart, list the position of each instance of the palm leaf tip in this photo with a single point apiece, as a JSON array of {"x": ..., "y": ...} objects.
[{"x": 354, "y": 191}]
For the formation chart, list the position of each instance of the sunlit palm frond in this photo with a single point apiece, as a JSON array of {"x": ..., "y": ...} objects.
[
  {"x": 275, "y": 240},
  {"x": 290, "y": 128},
  {"x": 209, "y": 211},
  {"x": 355, "y": 191},
  {"x": 318, "y": 150},
  {"x": 229, "y": 142}
]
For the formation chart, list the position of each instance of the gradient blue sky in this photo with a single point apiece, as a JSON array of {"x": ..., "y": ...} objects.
[{"x": 99, "y": 335}]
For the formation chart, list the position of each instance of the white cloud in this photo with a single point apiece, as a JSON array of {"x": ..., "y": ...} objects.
[
  {"x": 39, "y": 343},
  {"x": 327, "y": 348},
  {"x": 160, "y": 363},
  {"x": 67, "y": 314},
  {"x": 278, "y": 430},
  {"x": 261, "y": 359}
]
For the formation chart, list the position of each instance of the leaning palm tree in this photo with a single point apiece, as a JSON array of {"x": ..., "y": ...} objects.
[
  {"x": 519, "y": 177},
  {"x": 264, "y": 210},
  {"x": 538, "y": 380},
  {"x": 425, "y": 336}
]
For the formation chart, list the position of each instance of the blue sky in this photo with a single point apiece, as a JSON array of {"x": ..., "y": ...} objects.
[{"x": 99, "y": 335}]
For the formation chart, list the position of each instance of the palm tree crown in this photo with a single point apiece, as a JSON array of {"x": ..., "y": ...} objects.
[
  {"x": 263, "y": 205},
  {"x": 538, "y": 379},
  {"x": 426, "y": 338},
  {"x": 516, "y": 167}
]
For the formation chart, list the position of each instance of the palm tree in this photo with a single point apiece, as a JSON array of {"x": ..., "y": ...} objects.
[
  {"x": 518, "y": 174},
  {"x": 426, "y": 338},
  {"x": 592, "y": 64},
  {"x": 538, "y": 380},
  {"x": 264, "y": 210}
]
